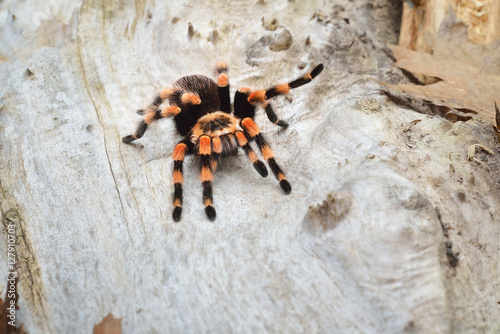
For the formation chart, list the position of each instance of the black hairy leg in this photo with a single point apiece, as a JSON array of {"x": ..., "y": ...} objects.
[
  {"x": 245, "y": 145},
  {"x": 149, "y": 117},
  {"x": 253, "y": 132},
  {"x": 206, "y": 174}
]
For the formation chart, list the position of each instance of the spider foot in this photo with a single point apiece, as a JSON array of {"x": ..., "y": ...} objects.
[
  {"x": 260, "y": 168},
  {"x": 317, "y": 70},
  {"x": 141, "y": 112},
  {"x": 210, "y": 211},
  {"x": 285, "y": 185},
  {"x": 176, "y": 215},
  {"x": 128, "y": 139},
  {"x": 283, "y": 124}
]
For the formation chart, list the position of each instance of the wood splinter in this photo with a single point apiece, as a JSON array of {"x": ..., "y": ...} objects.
[{"x": 472, "y": 152}]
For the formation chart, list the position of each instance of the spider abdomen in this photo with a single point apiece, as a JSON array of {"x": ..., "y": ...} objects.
[{"x": 206, "y": 89}]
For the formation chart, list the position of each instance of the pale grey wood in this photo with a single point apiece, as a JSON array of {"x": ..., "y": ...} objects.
[{"x": 358, "y": 245}]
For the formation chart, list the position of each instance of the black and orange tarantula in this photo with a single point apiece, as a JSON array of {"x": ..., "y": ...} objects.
[{"x": 202, "y": 113}]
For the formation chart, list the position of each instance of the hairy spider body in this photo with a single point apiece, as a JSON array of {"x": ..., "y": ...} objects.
[
  {"x": 202, "y": 86},
  {"x": 202, "y": 113}
]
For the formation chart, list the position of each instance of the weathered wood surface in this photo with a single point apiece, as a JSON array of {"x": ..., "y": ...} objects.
[{"x": 359, "y": 245}]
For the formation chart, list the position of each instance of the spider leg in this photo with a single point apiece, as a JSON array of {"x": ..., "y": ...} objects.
[
  {"x": 253, "y": 131},
  {"x": 243, "y": 108},
  {"x": 244, "y": 144},
  {"x": 181, "y": 149},
  {"x": 166, "y": 93},
  {"x": 262, "y": 95},
  {"x": 272, "y": 115},
  {"x": 150, "y": 117},
  {"x": 206, "y": 175},
  {"x": 223, "y": 87},
  {"x": 152, "y": 107}
]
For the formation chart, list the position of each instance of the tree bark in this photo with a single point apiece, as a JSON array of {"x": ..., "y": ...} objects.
[{"x": 383, "y": 197}]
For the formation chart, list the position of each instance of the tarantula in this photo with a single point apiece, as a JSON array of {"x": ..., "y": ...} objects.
[{"x": 202, "y": 113}]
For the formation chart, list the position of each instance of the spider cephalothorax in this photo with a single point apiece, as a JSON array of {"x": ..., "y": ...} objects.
[{"x": 202, "y": 113}]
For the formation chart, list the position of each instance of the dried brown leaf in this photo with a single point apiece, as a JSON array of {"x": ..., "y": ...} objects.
[
  {"x": 464, "y": 85},
  {"x": 108, "y": 325}
]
